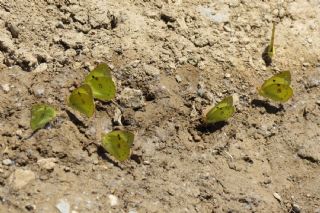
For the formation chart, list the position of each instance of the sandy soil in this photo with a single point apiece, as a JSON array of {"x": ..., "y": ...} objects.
[{"x": 171, "y": 59}]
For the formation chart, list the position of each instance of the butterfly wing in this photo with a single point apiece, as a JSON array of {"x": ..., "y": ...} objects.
[
  {"x": 101, "y": 83},
  {"x": 280, "y": 78},
  {"x": 277, "y": 92},
  {"x": 118, "y": 144},
  {"x": 81, "y": 99},
  {"x": 221, "y": 112},
  {"x": 100, "y": 71},
  {"x": 103, "y": 88},
  {"x": 41, "y": 114}
]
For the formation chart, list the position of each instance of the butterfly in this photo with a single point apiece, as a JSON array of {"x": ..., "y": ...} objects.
[
  {"x": 277, "y": 88},
  {"x": 81, "y": 99},
  {"x": 41, "y": 114},
  {"x": 221, "y": 111},
  {"x": 271, "y": 50},
  {"x": 101, "y": 83},
  {"x": 118, "y": 144}
]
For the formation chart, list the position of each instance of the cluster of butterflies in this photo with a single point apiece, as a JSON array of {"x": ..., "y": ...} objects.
[
  {"x": 276, "y": 88},
  {"x": 99, "y": 84}
]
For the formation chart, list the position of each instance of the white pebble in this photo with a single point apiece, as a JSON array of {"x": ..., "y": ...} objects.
[
  {"x": 63, "y": 206},
  {"x": 277, "y": 196},
  {"x": 178, "y": 78},
  {"x": 227, "y": 75},
  {"x": 7, "y": 162},
  {"x": 113, "y": 200},
  {"x": 5, "y": 88}
]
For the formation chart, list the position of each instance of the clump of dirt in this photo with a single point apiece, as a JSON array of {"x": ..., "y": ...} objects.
[{"x": 171, "y": 59}]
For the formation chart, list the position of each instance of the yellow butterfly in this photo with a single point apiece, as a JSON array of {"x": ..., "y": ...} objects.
[
  {"x": 271, "y": 50},
  {"x": 81, "y": 99},
  {"x": 118, "y": 144},
  {"x": 221, "y": 111},
  {"x": 41, "y": 114},
  {"x": 277, "y": 88},
  {"x": 100, "y": 81}
]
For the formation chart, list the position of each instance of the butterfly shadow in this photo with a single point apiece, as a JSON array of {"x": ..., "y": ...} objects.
[
  {"x": 268, "y": 107},
  {"x": 75, "y": 120},
  {"x": 210, "y": 128},
  {"x": 266, "y": 58},
  {"x": 102, "y": 153}
]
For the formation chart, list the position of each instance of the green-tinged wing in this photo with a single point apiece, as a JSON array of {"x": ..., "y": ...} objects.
[
  {"x": 41, "y": 114},
  {"x": 280, "y": 78},
  {"x": 103, "y": 88},
  {"x": 277, "y": 92},
  {"x": 101, "y": 70},
  {"x": 220, "y": 112},
  {"x": 81, "y": 99},
  {"x": 101, "y": 83},
  {"x": 118, "y": 144}
]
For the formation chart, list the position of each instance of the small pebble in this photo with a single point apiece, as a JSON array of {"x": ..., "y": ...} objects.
[
  {"x": 63, "y": 206},
  {"x": 277, "y": 196},
  {"x": 41, "y": 68},
  {"x": 227, "y": 75},
  {"x": 5, "y": 88},
  {"x": 113, "y": 200},
  {"x": 7, "y": 162},
  {"x": 295, "y": 208},
  {"x": 39, "y": 92},
  {"x": 30, "y": 207},
  {"x": 47, "y": 163},
  {"x": 178, "y": 78}
]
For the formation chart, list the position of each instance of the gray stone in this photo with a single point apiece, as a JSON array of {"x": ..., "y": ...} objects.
[
  {"x": 131, "y": 98},
  {"x": 151, "y": 70}
]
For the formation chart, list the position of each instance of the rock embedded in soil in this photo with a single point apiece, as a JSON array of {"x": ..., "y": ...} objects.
[
  {"x": 72, "y": 39},
  {"x": 25, "y": 59},
  {"x": 151, "y": 70},
  {"x": 113, "y": 200},
  {"x": 6, "y": 44},
  {"x": 13, "y": 29},
  {"x": 7, "y": 162},
  {"x": 5, "y": 88},
  {"x": 20, "y": 178},
  {"x": 63, "y": 206},
  {"x": 132, "y": 98},
  {"x": 47, "y": 163},
  {"x": 310, "y": 150}
]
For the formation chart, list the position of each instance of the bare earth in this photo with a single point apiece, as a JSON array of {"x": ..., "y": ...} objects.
[{"x": 171, "y": 59}]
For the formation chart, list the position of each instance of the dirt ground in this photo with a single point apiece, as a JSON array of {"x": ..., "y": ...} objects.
[{"x": 171, "y": 59}]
